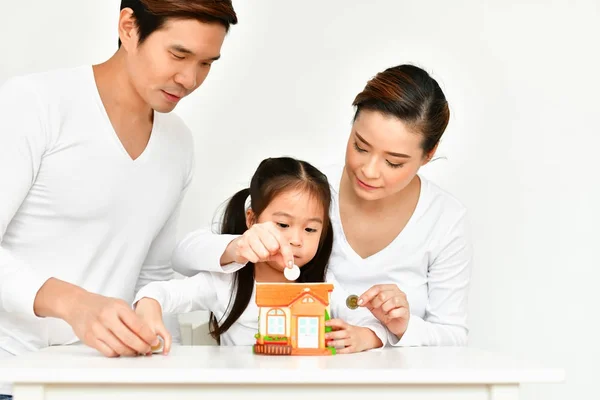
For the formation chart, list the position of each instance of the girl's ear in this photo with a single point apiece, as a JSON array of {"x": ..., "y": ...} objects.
[{"x": 249, "y": 218}]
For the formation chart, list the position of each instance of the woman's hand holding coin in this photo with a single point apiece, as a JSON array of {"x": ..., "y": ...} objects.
[{"x": 389, "y": 305}]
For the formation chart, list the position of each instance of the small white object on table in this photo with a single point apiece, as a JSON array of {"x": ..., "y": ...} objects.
[{"x": 212, "y": 372}]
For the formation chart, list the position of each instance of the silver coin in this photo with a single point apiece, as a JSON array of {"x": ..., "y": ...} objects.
[{"x": 291, "y": 274}]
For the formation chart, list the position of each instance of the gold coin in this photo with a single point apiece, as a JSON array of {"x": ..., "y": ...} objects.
[
  {"x": 158, "y": 347},
  {"x": 352, "y": 302}
]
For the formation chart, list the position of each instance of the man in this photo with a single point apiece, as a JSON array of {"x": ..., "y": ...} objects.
[{"x": 93, "y": 169}]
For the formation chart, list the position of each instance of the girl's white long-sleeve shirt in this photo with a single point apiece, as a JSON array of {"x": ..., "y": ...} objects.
[
  {"x": 211, "y": 291},
  {"x": 430, "y": 260}
]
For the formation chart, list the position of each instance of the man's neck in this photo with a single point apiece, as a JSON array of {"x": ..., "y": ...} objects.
[{"x": 118, "y": 95}]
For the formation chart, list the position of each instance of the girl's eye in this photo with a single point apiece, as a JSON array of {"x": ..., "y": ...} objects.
[
  {"x": 360, "y": 150},
  {"x": 177, "y": 57},
  {"x": 311, "y": 230},
  {"x": 394, "y": 165},
  {"x": 282, "y": 225}
]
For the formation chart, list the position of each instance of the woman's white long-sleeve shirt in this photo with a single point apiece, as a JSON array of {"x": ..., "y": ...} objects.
[{"x": 430, "y": 260}]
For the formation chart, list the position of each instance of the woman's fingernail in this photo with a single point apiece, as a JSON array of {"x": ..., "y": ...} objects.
[
  {"x": 290, "y": 264},
  {"x": 360, "y": 301}
]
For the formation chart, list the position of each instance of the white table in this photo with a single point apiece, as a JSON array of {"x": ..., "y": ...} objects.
[{"x": 210, "y": 372}]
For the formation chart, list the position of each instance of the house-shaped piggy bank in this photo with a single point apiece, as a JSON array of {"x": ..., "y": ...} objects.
[{"x": 292, "y": 318}]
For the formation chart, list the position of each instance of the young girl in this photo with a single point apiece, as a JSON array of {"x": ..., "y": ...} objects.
[{"x": 291, "y": 200}]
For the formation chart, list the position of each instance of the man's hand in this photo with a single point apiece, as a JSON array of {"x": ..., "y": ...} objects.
[
  {"x": 106, "y": 324},
  {"x": 150, "y": 312}
]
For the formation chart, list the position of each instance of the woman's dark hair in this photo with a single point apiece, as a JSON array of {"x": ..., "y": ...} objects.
[
  {"x": 151, "y": 15},
  {"x": 410, "y": 94},
  {"x": 273, "y": 177}
]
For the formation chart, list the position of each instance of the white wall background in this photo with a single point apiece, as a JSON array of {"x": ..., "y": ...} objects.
[{"x": 522, "y": 79}]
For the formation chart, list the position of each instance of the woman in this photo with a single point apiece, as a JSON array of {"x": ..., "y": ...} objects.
[{"x": 400, "y": 241}]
